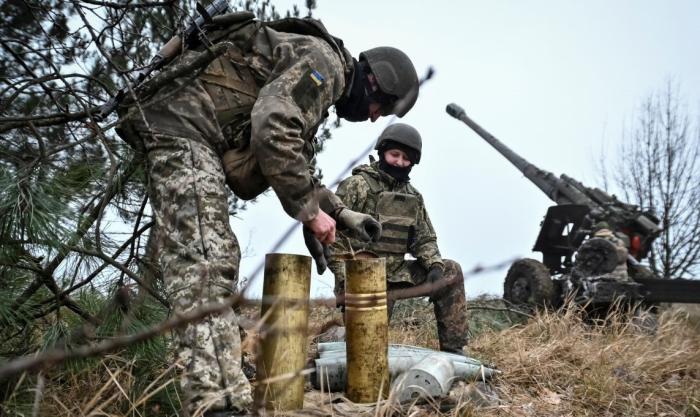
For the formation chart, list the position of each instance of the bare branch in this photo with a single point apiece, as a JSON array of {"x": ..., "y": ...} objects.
[
  {"x": 505, "y": 310},
  {"x": 56, "y": 356},
  {"x": 658, "y": 168},
  {"x": 128, "y": 4},
  {"x": 124, "y": 270}
]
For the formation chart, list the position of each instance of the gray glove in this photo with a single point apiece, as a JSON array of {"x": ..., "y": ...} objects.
[
  {"x": 362, "y": 225},
  {"x": 318, "y": 251}
]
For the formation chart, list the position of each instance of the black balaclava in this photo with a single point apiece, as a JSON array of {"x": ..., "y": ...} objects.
[
  {"x": 354, "y": 107},
  {"x": 398, "y": 173}
]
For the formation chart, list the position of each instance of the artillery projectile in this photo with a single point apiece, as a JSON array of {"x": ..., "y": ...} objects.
[
  {"x": 331, "y": 367},
  {"x": 432, "y": 377}
]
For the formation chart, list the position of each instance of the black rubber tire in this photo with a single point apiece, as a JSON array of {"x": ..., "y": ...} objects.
[{"x": 529, "y": 282}]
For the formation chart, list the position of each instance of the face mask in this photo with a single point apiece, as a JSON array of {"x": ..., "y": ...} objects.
[
  {"x": 355, "y": 106},
  {"x": 398, "y": 173}
]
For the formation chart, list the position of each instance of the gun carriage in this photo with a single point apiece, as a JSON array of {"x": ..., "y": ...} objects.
[{"x": 574, "y": 261}]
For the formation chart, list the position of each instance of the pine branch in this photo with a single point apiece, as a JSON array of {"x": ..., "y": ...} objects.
[
  {"x": 115, "y": 255},
  {"x": 56, "y": 356},
  {"x": 124, "y": 270},
  {"x": 52, "y": 357},
  {"x": 83, "y": 228}
]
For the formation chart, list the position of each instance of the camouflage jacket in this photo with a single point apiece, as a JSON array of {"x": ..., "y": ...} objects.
[
  {"x": 356, "y": 193},
  {"x": 304, "y": 76},
  {"x": 269, "y": 94}
]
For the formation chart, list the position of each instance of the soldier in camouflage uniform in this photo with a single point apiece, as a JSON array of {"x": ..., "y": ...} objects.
[
  {"x": 382, "y": 189},
  {"x": 248, "y": 120},
  {"x": 605, "y": 255},
  {"x": 621, "y": 242}
]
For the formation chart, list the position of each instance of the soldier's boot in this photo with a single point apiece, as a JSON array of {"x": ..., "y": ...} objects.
[{"x": 450, "y": 306}]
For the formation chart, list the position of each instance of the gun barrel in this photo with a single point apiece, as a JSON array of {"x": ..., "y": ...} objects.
[
  {"x": 544, "y": 180},
  {"x": 458, "y": 113}
]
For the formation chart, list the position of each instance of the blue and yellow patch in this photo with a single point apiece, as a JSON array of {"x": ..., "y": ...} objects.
[
  {"x": 307, "y": 91},
  {"x": 317, "y": 77}
]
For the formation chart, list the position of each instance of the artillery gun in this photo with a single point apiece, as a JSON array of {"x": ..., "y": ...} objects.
[{"x": 582, "y": 264}]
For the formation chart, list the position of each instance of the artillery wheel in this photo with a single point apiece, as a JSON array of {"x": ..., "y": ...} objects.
[
  {"x": 596, "y": 256},
  {"x": 528, "y": 282}
]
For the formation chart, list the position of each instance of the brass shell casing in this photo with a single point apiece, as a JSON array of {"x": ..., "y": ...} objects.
[
  {"x": 285, "y": 309},
  {"x": 367, "y": 333}
]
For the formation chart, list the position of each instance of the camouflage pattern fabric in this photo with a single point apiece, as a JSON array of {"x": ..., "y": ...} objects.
[
  {"x": 620, "y": 271},
  {"x": 178, "y": 127},
  {"x": 449, "y": 304},
  {"x": 307, "y": 78},
  {"x": 449, "y": 301},
  {"x": 302, "y": 76},
  {"x": 200, "y": 258},
  {"x": 357, "y": 195}
]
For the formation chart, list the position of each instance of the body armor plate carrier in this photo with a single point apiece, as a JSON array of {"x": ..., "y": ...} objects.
[{"x": 397, "y": 212}]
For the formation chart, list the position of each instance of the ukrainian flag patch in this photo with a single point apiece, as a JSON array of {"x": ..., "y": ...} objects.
[
  {"x": 307, "y": 91},
  {"x": 317, "y": 77}
]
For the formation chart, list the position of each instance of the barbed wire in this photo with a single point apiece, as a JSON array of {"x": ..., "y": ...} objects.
[
  {"x": 429, "y": 73},
  {"x": 39, "y": 361}
]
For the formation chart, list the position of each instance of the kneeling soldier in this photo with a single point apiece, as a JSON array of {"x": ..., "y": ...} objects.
[{"x": 382, "y": 189}]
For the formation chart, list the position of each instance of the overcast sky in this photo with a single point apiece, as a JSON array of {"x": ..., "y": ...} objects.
[{"x": 556, "y": 81}]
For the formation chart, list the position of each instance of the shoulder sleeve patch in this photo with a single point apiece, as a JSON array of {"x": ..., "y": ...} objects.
[{"x": 308, "y": 89}]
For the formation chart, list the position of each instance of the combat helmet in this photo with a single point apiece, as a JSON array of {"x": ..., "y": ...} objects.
[
  {"x": 403, "y": 134},
  {"x": 395, "y": 75}
]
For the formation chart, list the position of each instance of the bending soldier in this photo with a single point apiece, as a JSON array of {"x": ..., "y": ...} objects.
[
  {"x": 248, "y": 120},
  {"x": 383, "y": 190}
]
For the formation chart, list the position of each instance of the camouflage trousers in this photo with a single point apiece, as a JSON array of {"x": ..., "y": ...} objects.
[
  {"x": 447, "y": 296},
  {"x": 200, "y": 255}
]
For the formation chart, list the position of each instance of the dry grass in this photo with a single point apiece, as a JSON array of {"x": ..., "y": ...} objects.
[
  {"x": 107, "y": 389},
  {"x": 554, "y": 364},
  {"x": 559, "y": 365}
]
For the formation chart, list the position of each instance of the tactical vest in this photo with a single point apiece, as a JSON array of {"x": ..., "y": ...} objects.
[
  {"x": 398, "y": 214},
  {"x": 234, "y": 89},
  {"x": 229, "y": 81}
]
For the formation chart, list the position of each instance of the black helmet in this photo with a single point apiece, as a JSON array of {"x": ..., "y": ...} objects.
[
  {"x": 402, "y": 134},
  {"x": 395, "y": 75}
]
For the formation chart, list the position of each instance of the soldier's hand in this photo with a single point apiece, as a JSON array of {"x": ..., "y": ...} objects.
[
  {"x": 323, "y": 228},
  {"x": 435, "y": 273},
  {"x": 318, "y": 251},
  {"x": 363, "y": 225}
]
